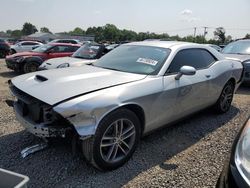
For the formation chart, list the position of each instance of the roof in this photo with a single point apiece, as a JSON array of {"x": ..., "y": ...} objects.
[
  {"x": 30, "y": 41},
  {"x": 163, "y": 44},
  {"x": 66, "y": 44}
]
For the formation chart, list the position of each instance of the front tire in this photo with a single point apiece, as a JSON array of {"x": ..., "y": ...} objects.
[
  {"x": 115, "y": 140},
  {"x": 223, "y": 104},
  {"x": 30, "y": 67},
  {"x": 3, "y": 53},
  {"x": 12, "y": 51}
]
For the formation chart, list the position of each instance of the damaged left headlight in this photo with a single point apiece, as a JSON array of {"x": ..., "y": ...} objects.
[
  {"x": 48, "y": 114},
  {"x": 242, "y": 153},
  {"x": 19, "y": 59}
]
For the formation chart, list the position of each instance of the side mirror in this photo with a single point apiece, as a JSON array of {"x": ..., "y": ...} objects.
[{"x": 185, "y": 70}]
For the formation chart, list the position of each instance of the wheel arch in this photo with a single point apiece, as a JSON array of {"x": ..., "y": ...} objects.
[
  {"x": 233, "y": 80},
  {"x": 36, "y": 59},
  {"x": 135, "y": 108}
]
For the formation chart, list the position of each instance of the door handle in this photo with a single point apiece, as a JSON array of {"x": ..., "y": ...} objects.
[{"x": 208, "y": 76}]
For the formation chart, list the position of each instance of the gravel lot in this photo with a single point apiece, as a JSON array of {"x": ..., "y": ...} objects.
[{"x": 188, "y": 154}]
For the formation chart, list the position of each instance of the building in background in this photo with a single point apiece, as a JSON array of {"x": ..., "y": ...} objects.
[
  {"x": 78, "y": 37},
  {"x": 43, "y": 37}
]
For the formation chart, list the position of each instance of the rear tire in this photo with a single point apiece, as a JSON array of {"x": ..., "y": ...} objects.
[
  {"x": 30, "y": 67},
  {"x": 223, "y": 104},
  {"x": 114, "y": 142}
]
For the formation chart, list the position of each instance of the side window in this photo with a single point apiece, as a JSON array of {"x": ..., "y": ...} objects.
[
  {"x": 74, "y": 48},
  {"x": 197, "y": 58},
  {"x": 28, "y": 43},
  {"x": 25, "y": 44},
  {"x": 31, "y": 43},
  {"x": 73, "y": 42},
  {"x": 61, "y": 49}
]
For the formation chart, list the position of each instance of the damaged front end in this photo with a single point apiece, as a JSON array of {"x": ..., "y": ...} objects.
[{"x": 38, "y": 117}]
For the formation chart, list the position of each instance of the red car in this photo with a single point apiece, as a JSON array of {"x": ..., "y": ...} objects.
[{"x": 30, "y": 61}]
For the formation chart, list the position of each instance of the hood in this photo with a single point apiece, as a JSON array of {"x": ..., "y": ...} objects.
[
  {"x": 53, "y": 86},
  {"x": 55, "y": 62},
  {"x": 25, "y": 54},
  {"x": 238, "y": 57}
]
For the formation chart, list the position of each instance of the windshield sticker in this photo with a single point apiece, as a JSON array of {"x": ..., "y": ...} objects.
[{"x": 147, "y": 61}]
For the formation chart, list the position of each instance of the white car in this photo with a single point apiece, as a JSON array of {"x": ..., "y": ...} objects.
[
  {"x": 24, "y": 46},
  {"x": 87, "y": 54}
]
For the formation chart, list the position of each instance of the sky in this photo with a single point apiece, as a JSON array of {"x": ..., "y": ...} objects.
[{"x": 160, "y": 16}]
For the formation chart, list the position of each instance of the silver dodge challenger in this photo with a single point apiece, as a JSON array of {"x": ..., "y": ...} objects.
[{"x": 136, "y": 88}]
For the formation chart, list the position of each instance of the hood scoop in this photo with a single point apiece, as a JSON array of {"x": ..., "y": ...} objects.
[{"x": 41, "y": 78}]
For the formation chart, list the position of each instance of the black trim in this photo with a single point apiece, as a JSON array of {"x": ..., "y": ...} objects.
[
  {"x": 41, "y": 78},
  {"x": 173, "y": 73}
]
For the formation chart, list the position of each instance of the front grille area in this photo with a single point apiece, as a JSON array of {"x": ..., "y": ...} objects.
[{"x": 34, "y": 109}]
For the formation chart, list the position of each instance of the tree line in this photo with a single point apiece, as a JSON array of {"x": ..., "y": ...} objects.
[{"x": 111, "y": 33}]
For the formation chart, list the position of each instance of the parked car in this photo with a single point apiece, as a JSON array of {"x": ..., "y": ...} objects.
[
  {"x": 11, "y": 41},
  {"x": 134, "y": 89},
  {"x": 88, "y": 53},
  {"x": 112, "y": 46},
  {"x": 71, "y": 41},
  {"x": 240, "y": 50},
  {"x": 236, "y": 171},
  {"x": 30, "y": 61},
  {"x": 24, "y": 46},
  {"x": 4, "y": 48}
]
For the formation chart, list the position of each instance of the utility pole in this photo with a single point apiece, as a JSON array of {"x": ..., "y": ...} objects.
[
  {"x": 194, "y": 33},
  {"x": 204, "y": 35}
]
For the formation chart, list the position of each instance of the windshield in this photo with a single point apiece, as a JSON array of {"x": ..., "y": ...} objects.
[
  {"x": 135, "y": 59},
  {"x": 42, "y": 48},
  {"x": 87, "y": 51},
  {"x": 238, "y": 47}
]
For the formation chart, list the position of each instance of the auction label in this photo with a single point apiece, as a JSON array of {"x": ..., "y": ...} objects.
[{"x": 147, "y": 61}]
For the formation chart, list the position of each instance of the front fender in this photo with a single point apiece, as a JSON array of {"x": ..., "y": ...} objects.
[
  {"x": 84, "y": 112},
  {"x": 36, "y": 59}
]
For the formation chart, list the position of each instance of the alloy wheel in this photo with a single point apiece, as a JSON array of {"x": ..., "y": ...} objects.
[
  {"x": 226, "y": 97},
  {"x": 118, "y": 140}
]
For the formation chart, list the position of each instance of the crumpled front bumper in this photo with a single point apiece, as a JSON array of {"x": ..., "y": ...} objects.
[
  {"x": 40, "y": 130},
  {"x": 14, "y": 65}
]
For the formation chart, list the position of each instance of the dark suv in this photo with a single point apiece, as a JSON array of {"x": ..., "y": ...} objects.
[{"x": 4, "y": 48}]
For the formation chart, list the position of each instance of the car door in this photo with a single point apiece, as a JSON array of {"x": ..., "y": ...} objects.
[
  {"x": 60, "y": 51},
  {"x": 26, "y": 46},
  {"x": 33, "y": 45},
  {"x": 191, "y": 92}
]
